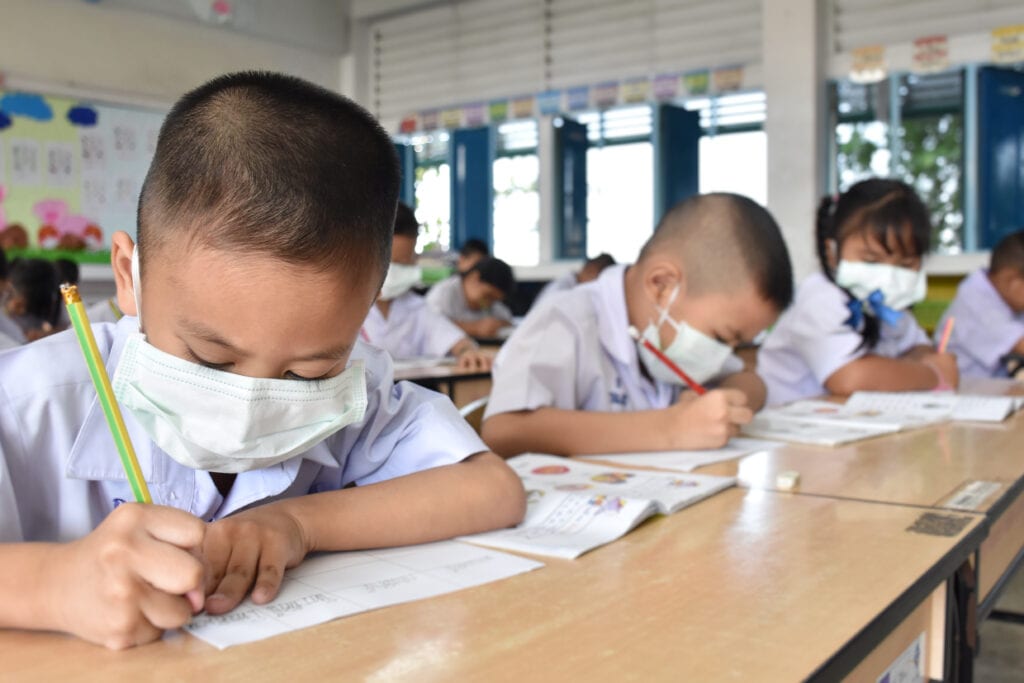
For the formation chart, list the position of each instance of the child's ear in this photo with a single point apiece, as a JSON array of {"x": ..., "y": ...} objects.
[
  {"x": 15, "y": 304},
  {"x": 121, "y": 249},
  {"x": 661, "y": 280}
]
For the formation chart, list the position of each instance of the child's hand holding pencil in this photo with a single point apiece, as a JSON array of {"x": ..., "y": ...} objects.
[{"x": 707, "y": 421}]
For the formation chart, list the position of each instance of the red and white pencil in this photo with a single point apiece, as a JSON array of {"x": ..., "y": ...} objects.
[{"x": 690, "y": 382}]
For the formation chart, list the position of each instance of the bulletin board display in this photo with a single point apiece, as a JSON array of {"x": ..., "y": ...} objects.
[{"x": 70, "y": 173}]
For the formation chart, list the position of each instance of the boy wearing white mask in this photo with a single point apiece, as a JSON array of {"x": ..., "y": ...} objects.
[
  {"x": 849, "y": 328},
  {"x": 263, "y": 428},
  {"x": 401, "y": 323},
  {"x": 570, "y": 380}
]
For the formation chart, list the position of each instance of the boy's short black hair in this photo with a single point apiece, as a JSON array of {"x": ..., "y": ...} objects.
[
  {"x": 67, "y": 271},
  {"x": 726, "y": 240},
  {"x": 35, "y": 280},
  {"x": 406, "y": 224},
  {"x": 497, "y": 273},
  {"x": 601, "y": 261},
  {"x": 261, "y": 162},
  {"x": 1008, "y": 254},
  {"x": 473, "y": 246}
]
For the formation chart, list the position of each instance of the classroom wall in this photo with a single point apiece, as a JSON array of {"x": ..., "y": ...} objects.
[{"x": 134, "y": 56}]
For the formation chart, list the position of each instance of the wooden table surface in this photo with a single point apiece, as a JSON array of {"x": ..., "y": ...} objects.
[{"x": 748, "y": 585}]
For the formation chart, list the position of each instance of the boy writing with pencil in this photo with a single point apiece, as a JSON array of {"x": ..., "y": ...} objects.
[
  {"x": 263, "y": 430},
  {"x": 572, "y": 380},
  {"x": 988, "y": 311}
]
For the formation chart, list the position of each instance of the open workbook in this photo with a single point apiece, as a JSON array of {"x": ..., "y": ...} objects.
[
  {"x": 333, "y": 585},
  {"x": 867, "y": 414},
  {"x": 573, "y": 506}
]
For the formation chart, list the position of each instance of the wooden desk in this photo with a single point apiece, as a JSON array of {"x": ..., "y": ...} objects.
[
  {"x": 926, "y": 468},
  {"x": 462, "y": 386},
  {"x": 749, "y": 585}
]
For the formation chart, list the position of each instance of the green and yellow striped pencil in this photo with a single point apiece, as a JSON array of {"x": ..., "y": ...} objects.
[{"x": 100, "y": 380}]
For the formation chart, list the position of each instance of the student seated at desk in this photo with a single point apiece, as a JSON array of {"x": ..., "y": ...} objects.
[
  {"x": 264, "y": 429},
  {"x": 473, "y": 300},
  {"x": 570, "y": 379},
  {"x": 588, "y": 273},
  {"x": 850, "y": 328},
  {"x": 33, "y": 299},
  {"x": 472, "y": 252},
  {"x": 401, "y": 323},
  {"x": 988, "y": 313}
]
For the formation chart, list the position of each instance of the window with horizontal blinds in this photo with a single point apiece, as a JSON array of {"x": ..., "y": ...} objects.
[
  {"x": 856, "y": 23},
  {"x": 465, "y": 51},
  {"x": 595, "y": 40},
  {"x": 455, "y": 53}
]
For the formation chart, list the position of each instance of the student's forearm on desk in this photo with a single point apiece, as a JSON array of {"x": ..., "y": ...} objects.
[
  {"x": 567, "y": 432},
  {"x": 877, "y": 373},
  {"x": 23, "y": 591},
  {"x": 478, "y": 494}
]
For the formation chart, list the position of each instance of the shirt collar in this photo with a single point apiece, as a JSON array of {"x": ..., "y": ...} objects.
[{"x": 609, "y": 295}]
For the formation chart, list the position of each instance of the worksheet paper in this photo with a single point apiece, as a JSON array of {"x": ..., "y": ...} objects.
[
  {"x": 685, "y": 461},
  {"x": 766, "y": 425},
  {"x": 328, "y": 586},
  {"x": 573, "y": 506},
  {"x": 936, "y": 406}
]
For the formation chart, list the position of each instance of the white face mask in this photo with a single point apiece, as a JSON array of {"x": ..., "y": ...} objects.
[
  {"x": 218, "y": 421},
  {"x": 900, "y": 287},
  {"x": 400, "y": 279},
  {"x": 696, "y": 354}
]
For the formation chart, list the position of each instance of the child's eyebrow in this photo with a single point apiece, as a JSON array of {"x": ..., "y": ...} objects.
[
  {"x": 328, "y": 354},
  {"x": 208, "y": 335}
]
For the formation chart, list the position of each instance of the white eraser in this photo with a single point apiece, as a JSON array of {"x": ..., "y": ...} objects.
[{"x": 788, "y": 480}]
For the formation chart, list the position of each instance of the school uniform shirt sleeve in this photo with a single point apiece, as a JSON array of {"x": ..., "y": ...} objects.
[
  {"x": 910, "y": 334},
  {"x": 406, "y": 428},
  {"x": 439, "y": 333},
  {"x": 819, "y": 331},
  {"x": 500, "y": 311},
  {"x": 445, "y": 297},
  {"x": 810, "y": 342},
  {"x": 986, "y": 328},
  {"x": 537, "y": 366},
  {"x": 10, "y": 519}
]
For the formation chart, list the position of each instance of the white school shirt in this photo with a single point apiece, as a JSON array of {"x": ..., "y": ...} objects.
[
  {"x": 448, "y": 299},
  {"x": 104, "y": 311},
  {"x": 60, "y": 474},
  {"x": 574, "y": 352},
  {"x": 812, "y": 340},
  {"x": 986, "y": 328},
  {"x": 411, "y": 330},
  {"x": 10, "y": 333},
  {"x": 559, "y": 284}
]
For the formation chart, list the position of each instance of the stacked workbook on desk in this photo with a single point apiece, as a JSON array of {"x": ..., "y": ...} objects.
[
  {"x": 573, "y": 507},
  {"x": 868, "y": 414}
]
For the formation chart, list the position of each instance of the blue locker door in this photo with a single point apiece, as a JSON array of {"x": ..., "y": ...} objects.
[
  {"x": 407, "y": 165},
  {"x": 571, "y": 202},
  {"x": 1000, "y": 154},
  {"x": 471, "y": 155},
  {"x": 676, "y": 156}
]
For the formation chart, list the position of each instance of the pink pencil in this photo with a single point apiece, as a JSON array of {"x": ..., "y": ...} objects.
[{"x": 946, "y": 334}]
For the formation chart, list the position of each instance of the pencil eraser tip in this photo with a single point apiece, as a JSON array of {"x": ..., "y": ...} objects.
[{"x": 788, "y": 480}]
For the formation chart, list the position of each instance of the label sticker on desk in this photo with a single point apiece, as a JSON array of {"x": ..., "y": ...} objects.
[
  {"x": 908, "y": 667},
  {"x": 972, "y": 494},
  {"x": 934, "y": 524}
]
